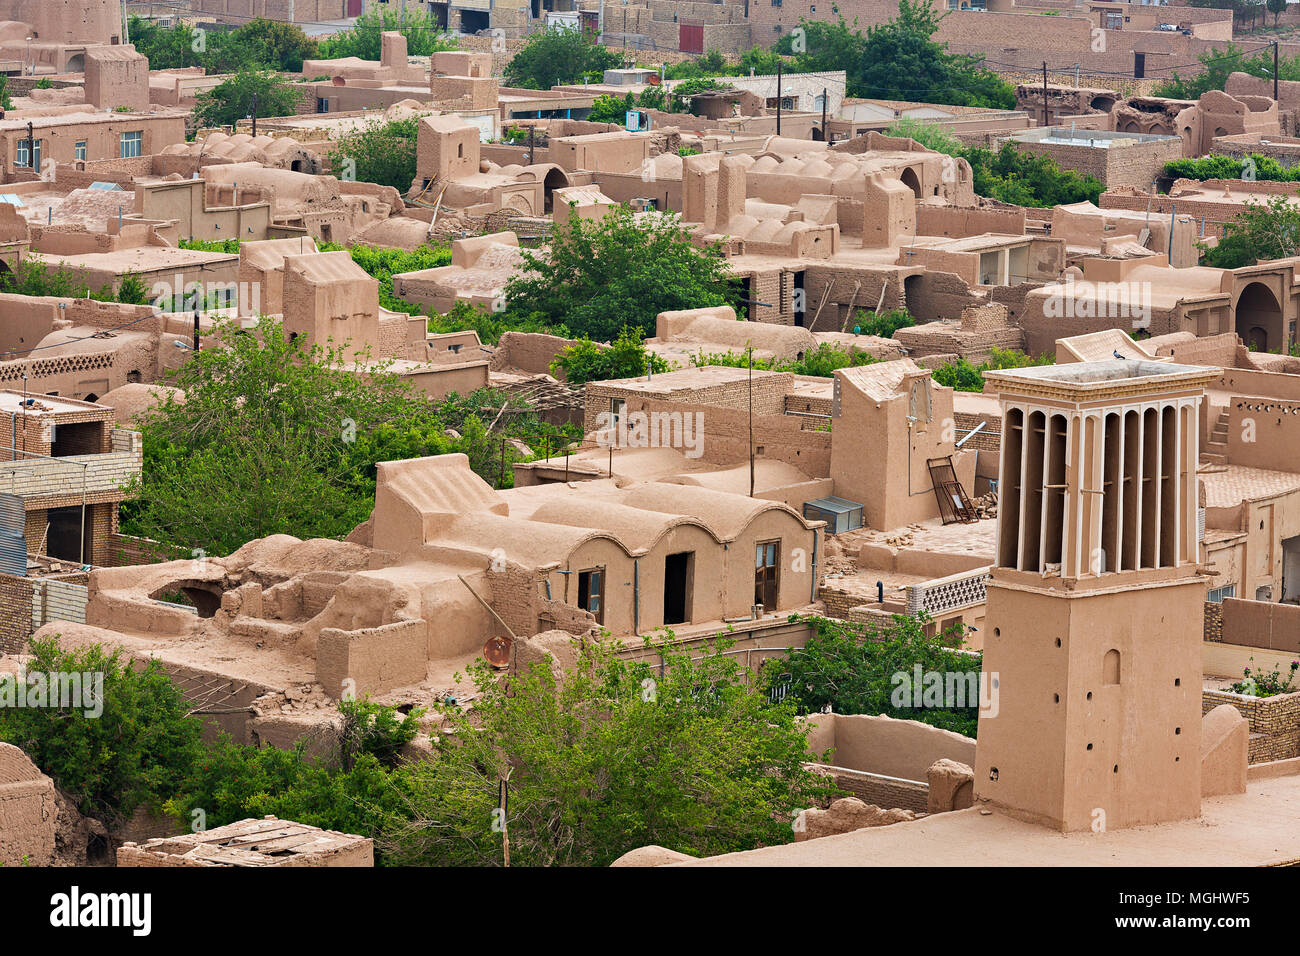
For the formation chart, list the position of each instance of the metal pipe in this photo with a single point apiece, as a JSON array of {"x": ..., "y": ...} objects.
[{"x": 636, "y": 595}]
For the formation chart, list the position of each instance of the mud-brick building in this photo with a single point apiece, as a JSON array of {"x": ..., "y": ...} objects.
[{"x": 64, "y": 469}]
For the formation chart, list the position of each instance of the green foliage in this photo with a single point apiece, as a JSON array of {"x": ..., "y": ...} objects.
[
  {"x": 620, "y": 755},
  {"x": 423, "y": 35},
  {"x": 226, "y": 104},
  {"x": 610, "y": 109},
  {"x": 965, "y": 377},
  {"x": 37, "y": 278},
  {"x": 600, "y": 276},
  {"x": 558, "y": 56},
  {"x": 1262, "y": 683},
  {"x": 821, "y": 361},
  {"x": 490, "y": 324},
  {"x": 884, "y": 324},
  {"x": 1261, "y": 231},
  {"x": 854, "y": 667},
  {"x": 899, "y": 60},
  {"x": 1276, "y": 7},
  {"x": 273, "y": 437},
  {"x": 1218, "y": 63},
  {"x": 229, "y": 246},
  {"x": 132, "y": 754},
  {"x": 1008, "y": 174},
  {"x": 44, "y": 83},
  {"x": 383, "y": 153},
  {"x": 5, "y": 102},
  {"x": 354, "y": 789},
  {"x": 258, "y": 44},
  {"x": 1254, "y": 166},
  {"x": 627, "y": 357}
]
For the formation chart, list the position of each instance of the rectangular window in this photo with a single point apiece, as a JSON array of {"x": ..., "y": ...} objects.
[
  {"x": 27, "y": 156},
  {"x": 322, "y": 104},
  {"x": 1217, "y": 595},
  {"x": 767, "y": 576},
  {"x": 131, "y": 144},
  {"x": 79, "y": 149},
  {"x": 591, "y": 592}
]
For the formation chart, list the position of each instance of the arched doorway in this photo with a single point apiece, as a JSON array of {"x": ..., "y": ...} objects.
[
  {"x": 555, "y": 179},
  {"x": 1259, "y": 318},
  {"x": 76, "y": 63},
  {"x": 908, "y": 178}
]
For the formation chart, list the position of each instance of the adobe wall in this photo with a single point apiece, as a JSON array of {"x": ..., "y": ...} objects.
[
  {"x": 887, "y": 745},
  {"x": 376, "y": 659},
  {"x": 1274, "y": 722},
  {"x": 28, "y": 811},
  {"x": 1123, "y": 163},
  {"x": 1260, "y": 624}
]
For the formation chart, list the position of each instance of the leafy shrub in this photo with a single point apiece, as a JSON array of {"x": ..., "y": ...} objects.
[
  {"x": 627, "y": 357},
  {"x": 853, "y": 668},
  {"x": 133, "y": 754}
]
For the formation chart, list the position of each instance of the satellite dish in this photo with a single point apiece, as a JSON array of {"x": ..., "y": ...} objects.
[{"x": 497, "y": 651}]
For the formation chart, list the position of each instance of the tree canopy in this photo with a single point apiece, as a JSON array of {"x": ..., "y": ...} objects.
[
  {"x": 897, "y": 60},
  {"x": 599, "y": 276},
  {"x": 233, "y": 100},
  {"x": 380, "y": 152},
  {"x": 1261, "y": 231},
  {"x": 362, "y": 40},
  {"x": 556, "y": 55}
]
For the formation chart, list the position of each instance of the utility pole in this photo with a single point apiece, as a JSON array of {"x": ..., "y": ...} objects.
[
  {"x": 778, "y": 99},
  {"x": 751, "y": 420},
  {"x": 255, "y": 112},
  {"x": 196, "y": 323},
  {"x": 825, "y": 95},
  {"x": 1274, "y": 69},
  {"x": 531, "y": 130},
  {"x": 1045, "y": 113}
]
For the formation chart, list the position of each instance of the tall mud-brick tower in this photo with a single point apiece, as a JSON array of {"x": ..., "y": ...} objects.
[{"x": 1095, "y": 605}]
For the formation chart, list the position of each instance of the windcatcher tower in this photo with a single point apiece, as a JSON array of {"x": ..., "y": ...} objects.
[{"x": 1096, "y": 602}]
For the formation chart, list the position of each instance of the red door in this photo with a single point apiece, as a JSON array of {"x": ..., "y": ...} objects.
[
  {"x": 691, "y": 37},
  {"x": 354, "y": 8}
]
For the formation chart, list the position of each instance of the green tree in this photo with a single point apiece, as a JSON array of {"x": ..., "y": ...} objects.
[
  {"x": 627, "y": 357},
  {"x": 856, "y": 669},
  {"x": 610, "y": 109},
  {"x": 383, "y": 152},
  {"x": 272, "y": 437},
  {"x": 1276, "y": 7},
  {"x": 423, "y": 35},
  {"x": 615, "y": 756},
  {"x": 1261, "y": 231},
  {"x": 226, "y": 104},
  {"x": 555, "y": 56},
  {"x": 883, "y": 324},
  {"x": 133, "y": 752},
  {"x": 898, "y": 59},
  {"x": 276, "y": 45},
  {"x": 597, "y": 277},
  {"x": 1218, "y": 63}
]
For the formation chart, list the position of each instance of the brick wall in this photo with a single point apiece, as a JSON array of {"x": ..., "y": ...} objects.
[
  {"x": 769, "y": 391},
  {"x": 1274, "y": 722},
  {"x": 15, "y": 613},
  {"x": 989, "y": 437},
  {"x": 888, "y": 793},
  {"x": 1213, "y": 623}
]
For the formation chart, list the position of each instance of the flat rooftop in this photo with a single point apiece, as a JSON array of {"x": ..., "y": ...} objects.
[
  {"x": 1255, "y": 828},
  {"x": 687, "y": 379},
  {"x": 1227, "y": 486}
]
